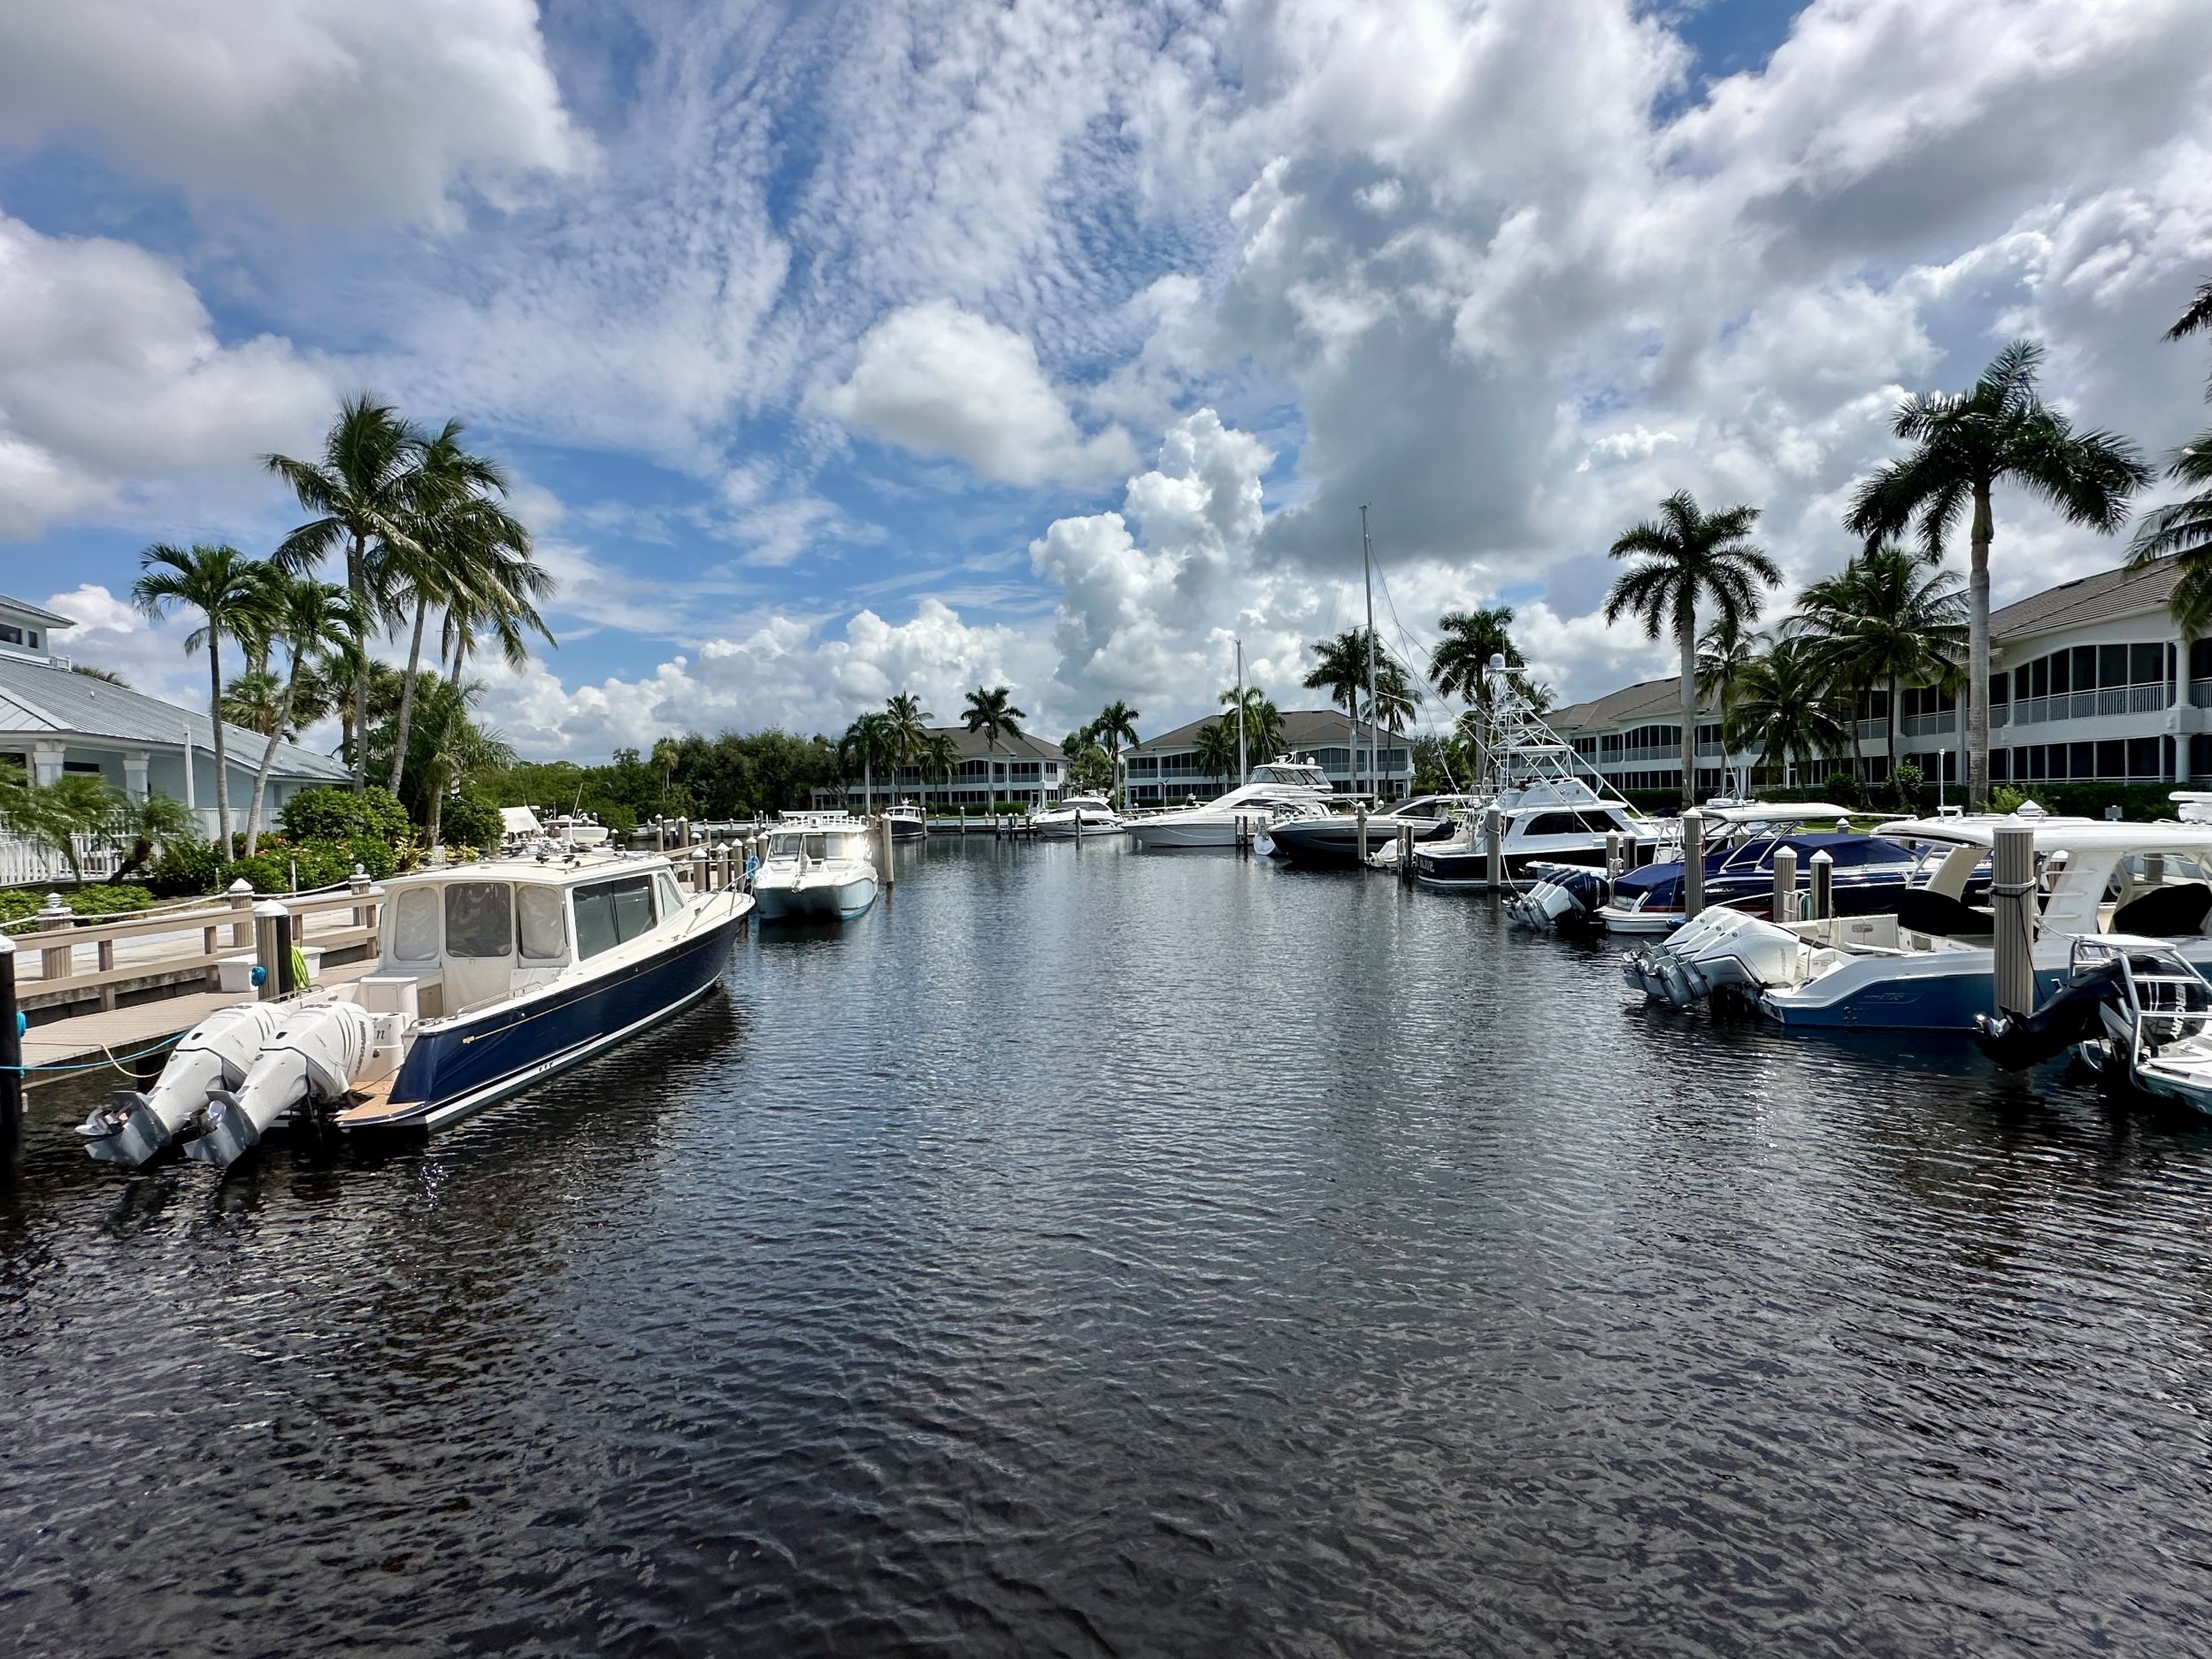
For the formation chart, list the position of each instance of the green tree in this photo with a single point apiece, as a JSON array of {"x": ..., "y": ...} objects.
[
  {"x": 940, "y": 758},
  {"x": 54, "y": 815},
  {"x": 448, "y": 746},
  {"x": 868, "y": 740},
  {"x": 1215, "y": 749},
  {"x": 1460, "y": 664},
  {"x": 992, "y": 712},
  {"x": 1885, "y": 619},
  {"x": 907, "y": 727},
  {"x": 1723, "y": 650},
  {"x": 363, "y": 492},
  {"x": 1263, "y": 722},
  {"x": 231, "y": 593},
  {"x": 150, "y": 821},
  {"x": 1115, "y": 729},
  {"x": 1786, "y": 708},
  {"x": 2183, "y": 529},
  {"x": 1964, "y": 445},
  {"x": 1682, "y": 557},
  {"x": 302, "y": 613}
]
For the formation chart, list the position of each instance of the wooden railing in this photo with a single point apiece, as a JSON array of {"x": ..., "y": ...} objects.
[{"x": 77, "y": 957}]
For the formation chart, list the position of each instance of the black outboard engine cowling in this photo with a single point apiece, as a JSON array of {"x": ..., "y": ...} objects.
[
  {"x": 1591, "y": 890},
  {"x": 2015, "y": 1041}
]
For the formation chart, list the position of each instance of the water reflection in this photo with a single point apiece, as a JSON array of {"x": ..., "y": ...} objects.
[{"x": 1093, "y": 1252}]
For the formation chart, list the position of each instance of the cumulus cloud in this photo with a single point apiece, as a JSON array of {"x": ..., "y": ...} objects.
[
  {"x": 114, "y": 387},
  {"x": 940, "y": 380},
  {"x": 324, "y": 110}
]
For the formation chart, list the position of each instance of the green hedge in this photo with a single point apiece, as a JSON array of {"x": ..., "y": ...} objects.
[
  {"x": 338, "y": 815},
  {"x": 17, "y": 902}
]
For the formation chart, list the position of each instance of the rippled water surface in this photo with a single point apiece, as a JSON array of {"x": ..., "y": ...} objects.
[{"x": 1098, "y": 1252}]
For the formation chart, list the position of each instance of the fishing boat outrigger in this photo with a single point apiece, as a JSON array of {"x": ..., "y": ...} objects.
[{"x": 489, "y": 976}]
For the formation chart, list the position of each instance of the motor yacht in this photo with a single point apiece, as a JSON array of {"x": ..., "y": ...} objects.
[
  {"x": 1929, "y": 965},
  {"x": 1279, "y": 790},
  {"x": 1076, "y": 816},
  {"x": 489, "y": 976},
  {"x": 908, "y": 822},
  {"x": 1333, "y": 841},
  {"x": 819, "y": 866}
]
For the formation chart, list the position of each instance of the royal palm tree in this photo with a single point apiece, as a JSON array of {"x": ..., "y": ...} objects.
[
  {"x": 1683, "y": 555},
  {"x": 1885, "y": 619},
  {"x": 1115, "y": 726},
  {"x": 992, "y": 712},
  {"x": 304, "y": 615},
  {"x": 1786, "y": 708},
  {"x": 231, "y": 593},
  {"x": 2183, "y": 529},
  {"x": 866, "y": 741},
  {"x": 1964, "y": 445},
  {"x": 467, "y": 555},
  {"x": 362, "y": 491}
]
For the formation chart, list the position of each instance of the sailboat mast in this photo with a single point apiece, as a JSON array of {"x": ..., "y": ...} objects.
[
  {"x": 1374, "y": 729},
  {"x": 1244, "y": 769}
]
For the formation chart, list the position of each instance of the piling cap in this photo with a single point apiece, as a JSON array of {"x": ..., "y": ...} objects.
[
  {"x": 271, "y": 907},
  {"x": 1823, "y": 856},
  {"x": 239, "y": 886},
  {"x": 53, "y": 906}
]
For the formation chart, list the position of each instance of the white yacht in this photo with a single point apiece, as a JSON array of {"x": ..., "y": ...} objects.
[
  {"x": 1076, "y": 815},
  {"x": 908, "y": 822},
  {"x": 1280, "y": 788},
  {"x": 819, "y": 866},
  {"x": 1931, "y": 966}
]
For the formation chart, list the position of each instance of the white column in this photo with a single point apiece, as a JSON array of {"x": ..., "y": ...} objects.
[
  {"x": 134, "y": 773},
  {"x": 46, "y": 760}
]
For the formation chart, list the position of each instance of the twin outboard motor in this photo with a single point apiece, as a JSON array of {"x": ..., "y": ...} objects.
[
  {"x": 1721, "y": 949},
  {"x": 215, "y": 1054},
  {"x": 1565, "y": 896},
  {"x": 313, "y": 1059}
]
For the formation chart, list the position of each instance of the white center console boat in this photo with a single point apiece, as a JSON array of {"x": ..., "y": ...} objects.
[{"x": 819, "y": 866}]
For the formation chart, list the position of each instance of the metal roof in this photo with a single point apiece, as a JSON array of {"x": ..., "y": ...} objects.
[
  {"x": 40, "y": 611},
  {"x": 2119, "y": 592},
  {"x": 1302, "y": 729},
  {"x": 1646, "y": 699},
  {"x": 38, "y": 699}
]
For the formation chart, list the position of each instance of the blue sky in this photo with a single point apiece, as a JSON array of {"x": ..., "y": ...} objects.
[{"x": 845, "y": 350}]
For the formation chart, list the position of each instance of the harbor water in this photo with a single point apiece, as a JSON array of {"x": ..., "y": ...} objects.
[{"x": 1099, "y": 1252}]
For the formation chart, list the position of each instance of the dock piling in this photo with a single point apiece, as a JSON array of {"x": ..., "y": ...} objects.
[
  {"x": 883, "y": 832},
  {"x": 1784, "y": 884},
  {"x": 1361, "y": 813},
  {"x": 272, "y": 948},
  {"x": 1493, "y": 834},
  {"x": 10, "y": 1059},
  {"x": 1693, "y": 863},
  {"x": 1824, "y": 883},
  {"x": 2012, "y": 895}
]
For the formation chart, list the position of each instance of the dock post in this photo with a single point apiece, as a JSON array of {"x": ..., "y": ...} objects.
[
  {"x": 883, "y": 830},
  {"x": 1493, "y": 837},
  {"x": 54, "y": 917},
  {"x": 241, "y": 895},
  {"x": 1615, "y": 855},
  {"x": 272, "y": 942},
  {"x": 702, "y": 870},
  {"x": 10, "y": 1059},
  {"x": 1360, "y": 811},
  {"x": 357, "y": 884},
  {"x": 1824, "y": 879},
  {"x": 1405, "y": 855},
  {"x": 2012, "y": 895},
  {"x": 1785, "y": 908},
  {"x": 1693, "y": 863}
]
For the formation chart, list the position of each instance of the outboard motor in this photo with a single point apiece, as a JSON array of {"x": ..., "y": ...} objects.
[
  {"x": 216, "y": 1053},
  {"x": 2073, "y": 1014},
  {"x": 1721, "y": 948},
  {"x": 315, "y": 1056}
]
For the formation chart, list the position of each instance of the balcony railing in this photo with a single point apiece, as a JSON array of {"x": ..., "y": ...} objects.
[
  {"x": 2082, "y": 705},
  {"x": 2201, "y": 693},
  {"x": 1877, "y": 729},
  {"x": 1929, "y": 725}
]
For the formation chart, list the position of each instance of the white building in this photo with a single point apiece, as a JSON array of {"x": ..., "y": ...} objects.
[
  {"x": 1029, "y": 771},
  {"x": 2093, "y": 680},
  {"x": 1166, "y": 769},
  {"x": 55, "y": 722}
]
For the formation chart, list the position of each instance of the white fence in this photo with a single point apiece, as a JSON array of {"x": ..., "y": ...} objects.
[{"x": 25, "y": 862}]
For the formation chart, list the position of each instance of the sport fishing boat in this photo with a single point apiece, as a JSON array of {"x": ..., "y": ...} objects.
[
  {"x": 819, "y": 866},
  {"x": 1076, "y": 815},
  {"x": 489, "y": 977},
  {"x": 907, "y": 821},
  {"x": 1929, "y": 965},
  {"x": 1333, "y": 843},
  {"x": 1549, "y": 813},
  {"x": 1740, "y": 843},
  {"x": 1279, "y": 790}
]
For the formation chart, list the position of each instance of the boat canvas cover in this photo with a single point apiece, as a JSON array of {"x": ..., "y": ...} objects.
[{"x": 519, "y": 821}]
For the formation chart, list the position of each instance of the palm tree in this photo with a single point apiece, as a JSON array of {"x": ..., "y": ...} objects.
[
  {"x": 1885, "y": 619},
  {"x": 1965, "y": 445},
  {"x": 149, "y": 821},
  {"x": 231, "y": 593},
  {"x": 1786, "y": 707},
  {"x": 363, "y": 493},
  {"x": 992, "y": 712},
  {"x": 1216, "y": 749},
  {"x": 465, "y": 553},
  {"x": 908, "y": 727},
  {"x": 940, "y": 758},
  {"x": 2183, "y": 529},
  {"x": 866, "y": 741},
  {"x": 1683, "y": 555},
  {"x": 1723, "y": 650},
  {"x": 1460, "y": 664},
  {"x": 1263, "y": 721},
  {"x": 1116, "y": 724},
  {"x": 56, "y": 814},
  {"x": 448, "y": 746},
  {"x": 303, "y": 613},
  {"x": 250, "y": 700}
]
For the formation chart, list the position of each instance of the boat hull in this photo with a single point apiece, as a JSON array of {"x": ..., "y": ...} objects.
[
  {"x": 1942, "y": 991},
  {"x": 456, "y": 1069},
  {"x": 839, "y": 901},
  {"x": 1334, "y": 846},
  {"x": 1195, "y": 832},
  {"x": 1471, "y": 871}
]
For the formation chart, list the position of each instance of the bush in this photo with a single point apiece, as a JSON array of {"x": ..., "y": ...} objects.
[
  {"x": 316, "y": 864},
  {"x": 18, "y": 902},
  {"x": 470, "y": 821},
  {"x": 337, "y": 815},
  {"x": 186, "y": 869}
]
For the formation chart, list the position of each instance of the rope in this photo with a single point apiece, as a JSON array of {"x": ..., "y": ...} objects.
[{"x": 113, "y": 1059}]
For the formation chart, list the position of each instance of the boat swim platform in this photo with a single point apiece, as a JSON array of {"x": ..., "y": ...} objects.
[{"x": 119, "y": 1034}]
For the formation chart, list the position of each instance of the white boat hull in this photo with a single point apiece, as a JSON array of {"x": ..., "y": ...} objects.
[
  {"x": 815, "y": 897},
  {"x": 1186, "y": 832}
]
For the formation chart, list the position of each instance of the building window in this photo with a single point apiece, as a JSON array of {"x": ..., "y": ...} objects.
[{"x": 9, "y": 634}]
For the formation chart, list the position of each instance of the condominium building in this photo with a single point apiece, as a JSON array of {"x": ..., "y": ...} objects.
[
  {"x": 1166, "y": 771},
  {"x": 1029, "y": 771},
  {"x": 2092, "y": 679}
]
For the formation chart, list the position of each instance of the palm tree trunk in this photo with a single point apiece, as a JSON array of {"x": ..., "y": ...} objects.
[
  {"x": 1893, "y": 742},
  {"x": 356, "y": 583},
  {"x": 215, "y": 716},
  {"x": 268, "y": 752},
  {"x": 1685, "y": 637},
  {"x": 407, "y": 696},
  {"x": 1978, "y": 653}
]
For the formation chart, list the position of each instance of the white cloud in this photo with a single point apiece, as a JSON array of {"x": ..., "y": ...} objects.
[
  {"x": 114, "y": 387},
  {"x": 939, "y": 380},
  {"x": 323, "y": 110}
]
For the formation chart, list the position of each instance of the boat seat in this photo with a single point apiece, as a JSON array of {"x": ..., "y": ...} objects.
[
  {"x": 1921, "y": 911},
  {"x": 2170, "y": 912}
]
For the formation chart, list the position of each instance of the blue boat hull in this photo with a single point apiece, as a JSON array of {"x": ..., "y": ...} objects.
[{"x": 464, "y": 1067}]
